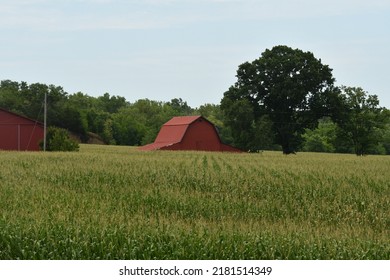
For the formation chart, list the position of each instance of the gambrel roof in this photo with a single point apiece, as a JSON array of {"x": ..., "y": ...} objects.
[{"x": 188, "y": 133}]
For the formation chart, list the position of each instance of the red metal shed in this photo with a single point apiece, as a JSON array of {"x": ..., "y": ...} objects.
[
  {"x": 189, "y": 133},
  {"x": 19, "y": 133}
]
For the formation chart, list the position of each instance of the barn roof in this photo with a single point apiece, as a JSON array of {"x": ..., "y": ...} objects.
[
  {"x": 6, "y": 121},
  {"x": 172, "y": 134},
  {"x": 173, "y": 131},
  {"x": 186, "y": 120}
]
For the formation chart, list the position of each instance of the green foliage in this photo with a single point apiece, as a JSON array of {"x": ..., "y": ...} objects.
[
  {"x": 126, "y": 127},
  {"x": 96, "y": 120},
  {"x": 321, "y": 139},
  {"x": 291, "y": 87},
  {"x": 110, "y": 202},
  {"x": 240, "y": 119},
  {"x": 263, "y": 135},
  {"x": 363, "y": 119},
  {"x": 108, "y": 133},
  {"x": 57, "y": 139},
  {"x": 111, "y": 104},
  {"x": 180, "y": 107},
  {"x": 385, "y": 143}
]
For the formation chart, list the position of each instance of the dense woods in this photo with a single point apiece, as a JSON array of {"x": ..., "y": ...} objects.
[{"x": 285, "y": 100}]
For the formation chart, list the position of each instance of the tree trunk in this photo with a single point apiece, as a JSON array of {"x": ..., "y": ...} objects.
[
  {"x": 286, "y": 140},
  {"x": 287, "y": 150}
]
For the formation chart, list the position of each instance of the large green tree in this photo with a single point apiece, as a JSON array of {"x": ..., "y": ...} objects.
[{"x": 289, "y": 86}]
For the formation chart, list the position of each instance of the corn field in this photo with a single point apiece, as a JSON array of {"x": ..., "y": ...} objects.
[{"x": 108, "y": 202}]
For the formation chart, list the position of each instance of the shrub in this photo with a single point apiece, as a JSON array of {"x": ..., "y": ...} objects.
[{"x": 57, "y": 139}]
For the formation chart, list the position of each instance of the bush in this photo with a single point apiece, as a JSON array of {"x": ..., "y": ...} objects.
[
  {"x": 321, "y": 139},
  {"x": 57, "y": 139}
]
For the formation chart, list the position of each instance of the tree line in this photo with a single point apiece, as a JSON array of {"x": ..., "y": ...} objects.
[
  {"x": 111, "y": 118},
  {"x": 285, "y": 100}
]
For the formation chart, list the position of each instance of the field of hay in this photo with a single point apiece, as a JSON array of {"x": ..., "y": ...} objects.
[{"x": 108, "y": 202}]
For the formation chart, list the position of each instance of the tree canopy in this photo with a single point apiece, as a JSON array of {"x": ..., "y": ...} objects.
[
  {"x": 291, "y": 87},
  {"x": 363, "y": 119}
]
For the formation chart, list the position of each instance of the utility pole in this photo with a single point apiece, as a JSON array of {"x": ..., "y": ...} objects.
[{"x": 44, "y": 122}]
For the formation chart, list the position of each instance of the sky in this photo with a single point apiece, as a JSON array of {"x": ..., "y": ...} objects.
[{"x": 188, "y": 49}]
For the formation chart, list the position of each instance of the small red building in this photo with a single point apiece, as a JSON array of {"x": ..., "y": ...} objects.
[
  {"x": 19, "y": 133},
  {"x": 189, "y": 133}
]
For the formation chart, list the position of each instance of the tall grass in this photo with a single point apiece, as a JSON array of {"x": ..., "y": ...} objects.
[{"x": 110, "y": 202}]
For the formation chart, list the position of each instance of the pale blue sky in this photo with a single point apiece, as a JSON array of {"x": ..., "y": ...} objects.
[{"x": 189, "y": 48}]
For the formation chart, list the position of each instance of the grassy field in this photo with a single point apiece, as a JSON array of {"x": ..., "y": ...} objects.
[{"x": 109, "y": 202}]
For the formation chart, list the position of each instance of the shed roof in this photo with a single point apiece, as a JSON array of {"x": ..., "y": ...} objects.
[
  {"x": 20, "y": 117},
  {"x": 186, "y": 120},
  {"x": 171, "y": 132}
]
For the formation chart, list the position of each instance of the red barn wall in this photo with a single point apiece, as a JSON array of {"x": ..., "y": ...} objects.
[
  {"x": 9, "y": 137},
  {"x": 201, "y": 135},
  {"x": 19, "y": 133}
]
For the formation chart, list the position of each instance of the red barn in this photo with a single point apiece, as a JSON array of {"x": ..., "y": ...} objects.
[
  {"x": 189, "y": 133},
  {"x": 19, "y": 133}
]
